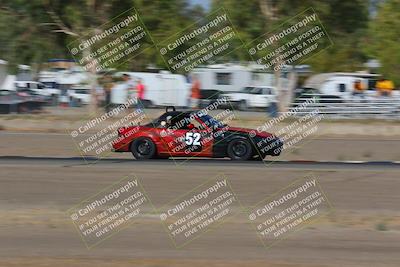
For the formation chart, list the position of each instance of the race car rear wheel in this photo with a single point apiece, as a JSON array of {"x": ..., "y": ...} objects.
[
  {"x": 240, "y": 149},
  {"x": 143, "y": 148}
]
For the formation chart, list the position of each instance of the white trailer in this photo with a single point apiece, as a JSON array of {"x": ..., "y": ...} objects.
[
  {"x": 161, "y": 89},
  {"x": 225, "y": 78},
  {"x": 234, "y": 77},
  {"x": 3, "y": 72},
  {"x": 9, "y": 83}
]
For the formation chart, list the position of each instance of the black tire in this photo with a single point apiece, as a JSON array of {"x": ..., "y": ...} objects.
[
  {"x": 143, "y": 148},
  {"x": 240, "y": 149}
]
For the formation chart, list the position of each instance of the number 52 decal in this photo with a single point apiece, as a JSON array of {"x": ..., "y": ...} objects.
[{"x": 192, "y": 139}]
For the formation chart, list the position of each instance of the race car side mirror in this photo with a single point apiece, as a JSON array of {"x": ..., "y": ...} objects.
[{"x": 163, "y": 123}]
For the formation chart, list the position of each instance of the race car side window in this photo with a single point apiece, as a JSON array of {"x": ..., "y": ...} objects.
[
  {"x": 177, "y": 121},
  {"x": 164, "y": 117},
  {"x": 197, "y": 125},
  {"x": 157, "y": 122},
  {"x": 183, "y": 121}
]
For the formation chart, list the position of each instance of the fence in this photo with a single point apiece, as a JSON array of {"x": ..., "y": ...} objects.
[{"x": 354, "y": 107}]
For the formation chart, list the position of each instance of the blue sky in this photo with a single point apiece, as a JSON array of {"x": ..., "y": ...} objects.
[{"x": 204, "y": 3}]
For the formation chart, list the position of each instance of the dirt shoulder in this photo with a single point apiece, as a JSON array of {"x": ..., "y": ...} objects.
[{"x": 65, "y": 120}]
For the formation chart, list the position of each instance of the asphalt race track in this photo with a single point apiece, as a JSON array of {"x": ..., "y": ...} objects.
[
  {"x": 200, "y": 163},
  {"x": 362, "y": 230}
]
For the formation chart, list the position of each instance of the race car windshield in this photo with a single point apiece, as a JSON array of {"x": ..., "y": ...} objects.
[{"x": 211, "y": 122}]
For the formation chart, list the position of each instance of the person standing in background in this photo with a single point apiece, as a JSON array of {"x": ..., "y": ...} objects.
[
  {"x": 99, "y": 95},
  {"x": 272, "y": 109},
  {"x": 140, "y": 88},
  {"x": 384, "y": 87},
  {"x": 130, "y": 86},
  {"x": 195, "y": 93},
  {"x": 358, "y": 88},
  {"x": 108, "y": 85}
]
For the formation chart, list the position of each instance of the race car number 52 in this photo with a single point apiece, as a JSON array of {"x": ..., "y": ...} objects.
[{"x": 192, "y": 139}]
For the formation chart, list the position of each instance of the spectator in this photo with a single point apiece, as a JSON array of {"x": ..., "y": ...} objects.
[
  {"x": 140, "y": 94},
  {"x": 99, "y": 95},
  {"x": 130, "y": 85},
  {"x": 108, "y": 85},
  {"x": 358, "y": 88},
  {"x": 195, "y": 93},
  {"x": 272, "y": 109},
  {"x": 384, "y": 87}
]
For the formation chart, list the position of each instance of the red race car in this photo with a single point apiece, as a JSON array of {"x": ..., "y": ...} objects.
[{"x": 194, "y": 133}]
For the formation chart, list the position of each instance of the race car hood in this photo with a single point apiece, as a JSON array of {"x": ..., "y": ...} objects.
[{"x": 251, "y": 132}]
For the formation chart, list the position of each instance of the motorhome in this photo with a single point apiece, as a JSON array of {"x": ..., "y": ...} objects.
[{"x": 340, "y": 85}]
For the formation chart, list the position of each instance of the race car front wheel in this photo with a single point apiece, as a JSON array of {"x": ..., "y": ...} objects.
[
  {"x": 240, "y": 149},
  {"x": 143, "y": 148}
]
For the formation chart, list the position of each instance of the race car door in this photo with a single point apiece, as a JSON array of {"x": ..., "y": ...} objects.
[{"x": 187, "y": 139}]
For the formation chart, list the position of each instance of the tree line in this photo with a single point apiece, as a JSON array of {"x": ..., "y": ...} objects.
[{"x": 33, "y": 31}]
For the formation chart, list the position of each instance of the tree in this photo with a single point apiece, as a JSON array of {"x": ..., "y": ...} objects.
[
  {"x": 32, "y": 31},
  {"x": 22, "y": 39},
  {"x": 383, "y": 41}
]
